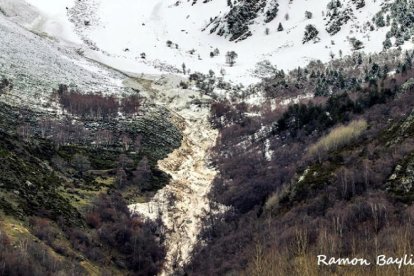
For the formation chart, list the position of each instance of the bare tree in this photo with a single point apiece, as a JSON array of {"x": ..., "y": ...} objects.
[
  {"x": 124, "y": 161},
  {"x": 121, "y": 177},
  {"x": 126, "y": 141},
  {"x": 231, "y": 57},
  {"x": 142, "y": 173},
  {"x": 104, "y": 137},
  {"x": 138, "y": 143},
  {"x": 25, "y": 132},
  {"x": 81, "y": 163},
  {"x": 44, "y": 125}
]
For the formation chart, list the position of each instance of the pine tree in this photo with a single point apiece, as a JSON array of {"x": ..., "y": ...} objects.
[
  {"x": 387, "y": 43},
  {"x": 380, "y": 22},
  {"x": 280, "y": 27}
]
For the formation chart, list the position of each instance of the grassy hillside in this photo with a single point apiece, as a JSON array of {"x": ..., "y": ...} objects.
[{"x": 65, "y": 185}]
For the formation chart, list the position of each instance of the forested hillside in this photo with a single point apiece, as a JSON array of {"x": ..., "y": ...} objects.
[{"x": 330, "y": 174}]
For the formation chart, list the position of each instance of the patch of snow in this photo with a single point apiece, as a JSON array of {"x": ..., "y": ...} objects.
[
  {"x": 268, "y": 151},
  {"x": 123, "y": 29},
  {"x": 296, "y": 99},
  {"x": 38, "y": 64}
]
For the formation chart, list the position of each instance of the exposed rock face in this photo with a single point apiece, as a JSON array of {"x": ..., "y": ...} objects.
[{"x": 401, "y": 182}]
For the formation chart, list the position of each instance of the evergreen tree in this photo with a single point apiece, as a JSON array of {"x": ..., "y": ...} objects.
[
  {"x": 380, "y": 22},
  {"x": 280, "y": 27},
  {"x": 387, "y": 43}
]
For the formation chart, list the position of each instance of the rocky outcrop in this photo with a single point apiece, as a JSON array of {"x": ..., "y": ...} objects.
[{"x": 401, "y": 182}]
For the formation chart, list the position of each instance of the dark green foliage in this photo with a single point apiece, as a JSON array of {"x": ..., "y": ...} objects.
[
  {"x": 35, "y": 188},
  {"x": 310, "y": 118}
]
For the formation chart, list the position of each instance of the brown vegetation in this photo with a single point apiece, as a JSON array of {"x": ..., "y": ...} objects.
[
  {"x": 294, "y": 206},
  {"x": 97, "y": 106}
]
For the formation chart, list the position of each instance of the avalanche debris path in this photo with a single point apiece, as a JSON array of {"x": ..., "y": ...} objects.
[{"x": 183, "y": 203}]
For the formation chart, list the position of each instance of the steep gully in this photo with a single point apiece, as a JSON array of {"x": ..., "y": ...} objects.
[{"x": 183, "y": 203}]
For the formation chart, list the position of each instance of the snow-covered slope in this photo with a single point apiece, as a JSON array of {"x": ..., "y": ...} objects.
[
  {"x": 132, "y": 35},
  {"x": 37, "y": 63}
]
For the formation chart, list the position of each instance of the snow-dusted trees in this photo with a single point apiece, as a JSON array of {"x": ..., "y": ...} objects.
[
  {"x": 231, "y": 57},
  {"x": 379, "y": 20},
  {"x": 387, "y": 43},
  {"x": 311, "y": 33},
  {"x": 359, "y": 3},
  {"x": 271, "y": 13},
  {"x": 356, "y": 44},
  {"x": 280, "y": 27},
  {"x": 265, "y": 69},
  {"x": 399, "y": 15}
]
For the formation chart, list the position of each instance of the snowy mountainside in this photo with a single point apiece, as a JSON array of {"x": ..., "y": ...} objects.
[
  {"x": 140, "y": 36},
  {"x": 36, "y": 63}
]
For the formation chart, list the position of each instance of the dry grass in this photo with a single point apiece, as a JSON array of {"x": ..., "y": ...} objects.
[
  {"x": 339, "y": 137},
  {"x": 301, "y": 258}
]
